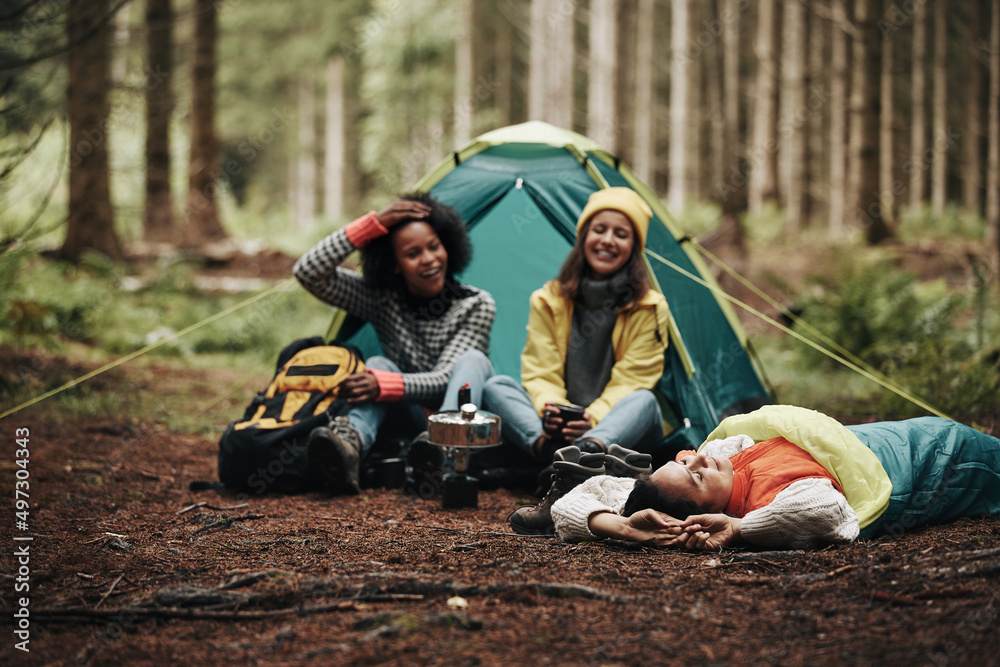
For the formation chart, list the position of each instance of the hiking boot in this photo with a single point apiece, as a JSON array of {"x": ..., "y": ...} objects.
[
  {"x": 425, "y": 460},
  {"x": 590, "y": 445},
  {"x": 621, "y": 462},
  {"x": 335, "y": 455},
  {"x": 571, "y": 467}
]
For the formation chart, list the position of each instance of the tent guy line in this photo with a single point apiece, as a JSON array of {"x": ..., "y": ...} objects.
[
  {"x": 138, "y": 353},
  {"x": 811, "y": 343},
  {"x": 870, "y": 374}
]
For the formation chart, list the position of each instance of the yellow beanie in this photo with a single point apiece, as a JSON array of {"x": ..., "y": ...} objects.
[{"x": 623, "y": 200}]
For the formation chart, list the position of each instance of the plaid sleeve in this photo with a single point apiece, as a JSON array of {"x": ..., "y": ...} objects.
[
  {"x": 319, "y": 270},
  {"x": 471, "y": 332}
]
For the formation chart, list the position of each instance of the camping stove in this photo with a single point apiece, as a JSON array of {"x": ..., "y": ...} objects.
[{"x": 461, "y": 433}]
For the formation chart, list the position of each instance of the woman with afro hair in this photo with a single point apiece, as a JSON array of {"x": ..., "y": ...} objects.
[{"x": 434, "y": 331}]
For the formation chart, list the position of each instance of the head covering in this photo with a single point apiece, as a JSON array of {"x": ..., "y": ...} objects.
[{"x": 623, "y": 200}]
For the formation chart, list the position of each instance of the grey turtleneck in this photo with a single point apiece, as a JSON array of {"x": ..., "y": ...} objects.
[{"x": 590, "y": 356}]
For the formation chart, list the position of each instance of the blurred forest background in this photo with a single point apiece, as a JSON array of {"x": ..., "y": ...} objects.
[{"x": 853, "y": 138}]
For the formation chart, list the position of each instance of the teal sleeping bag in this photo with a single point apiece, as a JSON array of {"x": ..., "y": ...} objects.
[{"x": 940, "y": 470}]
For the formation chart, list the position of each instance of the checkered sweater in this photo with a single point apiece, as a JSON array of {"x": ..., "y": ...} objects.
[{"x": 424, "y": 347}]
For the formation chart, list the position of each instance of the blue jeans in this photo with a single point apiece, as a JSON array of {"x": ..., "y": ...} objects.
[
  {"x": 406, "y": 418},
  {"x": 634, "y": 422}
]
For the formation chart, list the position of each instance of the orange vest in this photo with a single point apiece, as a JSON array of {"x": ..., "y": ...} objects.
[{"x": 765, "y": 469}]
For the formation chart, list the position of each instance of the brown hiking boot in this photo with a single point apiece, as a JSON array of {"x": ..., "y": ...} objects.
[
  {"x": 571, "y": 467},
  {"x": 335, "y": 455}
]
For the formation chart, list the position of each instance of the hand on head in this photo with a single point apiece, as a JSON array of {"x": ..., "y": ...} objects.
[{"x": 402, "y": 210}]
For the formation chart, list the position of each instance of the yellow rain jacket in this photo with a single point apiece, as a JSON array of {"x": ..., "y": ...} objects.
[{"x": 639, "y": 338}]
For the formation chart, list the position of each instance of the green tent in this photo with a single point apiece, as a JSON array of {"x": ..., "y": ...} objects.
[{"x": 521, "y": 189}]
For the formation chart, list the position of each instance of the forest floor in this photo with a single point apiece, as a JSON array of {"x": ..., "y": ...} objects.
[{"x": 128, "y": 566}]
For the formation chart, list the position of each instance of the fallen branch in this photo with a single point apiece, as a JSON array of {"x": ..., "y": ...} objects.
[
  {"x": 227, "y": 521},
  {"x": 765, "y": 555},
  {"x": 112, "y": 588},
  {"x": 201, "y": 614},
  {"x": 212, "y": 507}
]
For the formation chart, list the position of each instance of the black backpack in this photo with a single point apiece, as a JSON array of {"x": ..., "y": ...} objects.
[{"x": 265, "y": 451}]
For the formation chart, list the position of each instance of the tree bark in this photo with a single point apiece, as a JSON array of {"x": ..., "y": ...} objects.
[
  {"x": 627, "y": 114},
  {"x": 504, "y": 58},
  {"x": 764, "y": 154},
  {"x": 334, "y": 156},
  {"x": 537, "y": 70},
  {"x": 679, "y": 130},
  {"x": 734, "y": 188},
  {"x": 603, "y": 63},
  {"x": 972, "y": 161},
  {"x": 886, "y": 144},
  {"x": 203, "y": 223},
  {"x": 940, "y": 108},
  {"x": 864, "y": 132},
  {"x": 818, "y": 125},
  {"x": 838, "y": 116},
  {"x": 793, "y": 130},
  {"x": 918, "y": 129},
  {"x": 993, "y": 132},
  {"x": 463, "y": 76},
  {"x": 158, "y": 215},
  {"x": 91, "y": 223},
  {"x": 644, "y": 125},
  {"x": 559, "y": 84}
]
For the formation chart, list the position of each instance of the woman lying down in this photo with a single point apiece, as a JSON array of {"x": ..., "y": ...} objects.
[{"x": 790, "y": 477}]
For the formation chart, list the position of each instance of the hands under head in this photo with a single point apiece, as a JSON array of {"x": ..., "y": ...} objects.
[{"x": 706, "y": 532}]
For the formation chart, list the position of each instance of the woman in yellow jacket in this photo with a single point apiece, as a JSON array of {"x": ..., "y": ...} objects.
[{"x": 596, "y": 339}]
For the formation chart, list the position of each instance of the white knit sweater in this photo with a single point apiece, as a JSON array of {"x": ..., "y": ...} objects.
[{"x": 804, "y": 514}]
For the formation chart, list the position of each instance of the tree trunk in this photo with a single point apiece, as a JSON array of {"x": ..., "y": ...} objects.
[
  {"x": 627, "y": 114},
  {"x": 603, "y": 63},
  {"x": 91, "y": 223},
  {"x": 838, "y": 116},
  {"x": 733, "y": 190},
  {"x": 993, "y": 131},
  {"x": 334, "y": 158},
  {"x": 559, "y": 83},
  {"x": 305, "y": 181},
  {"x": 793, "y": 130},
  {"x": 538, "y": 72},
  {"x": 504, "y": 58},
  {"x": 818, "y": 125},
  {"x": 679, "y": 130},
  {"x": 157, "y": 215},
  {"x": 972, "y": 162},
  {"x": 885, "y": 142},
  {"x": 717, "y": 150},
  {"x": 645, "y": 55},
  {"x": 864, "y": 159},
  {"x": 940, "y": 108},
  {"x": 203, "y": 223},
  {"x": 764, "y": 154},
  {"x": 918, "y": 129},
  {"x": 463, "y": 76}
]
